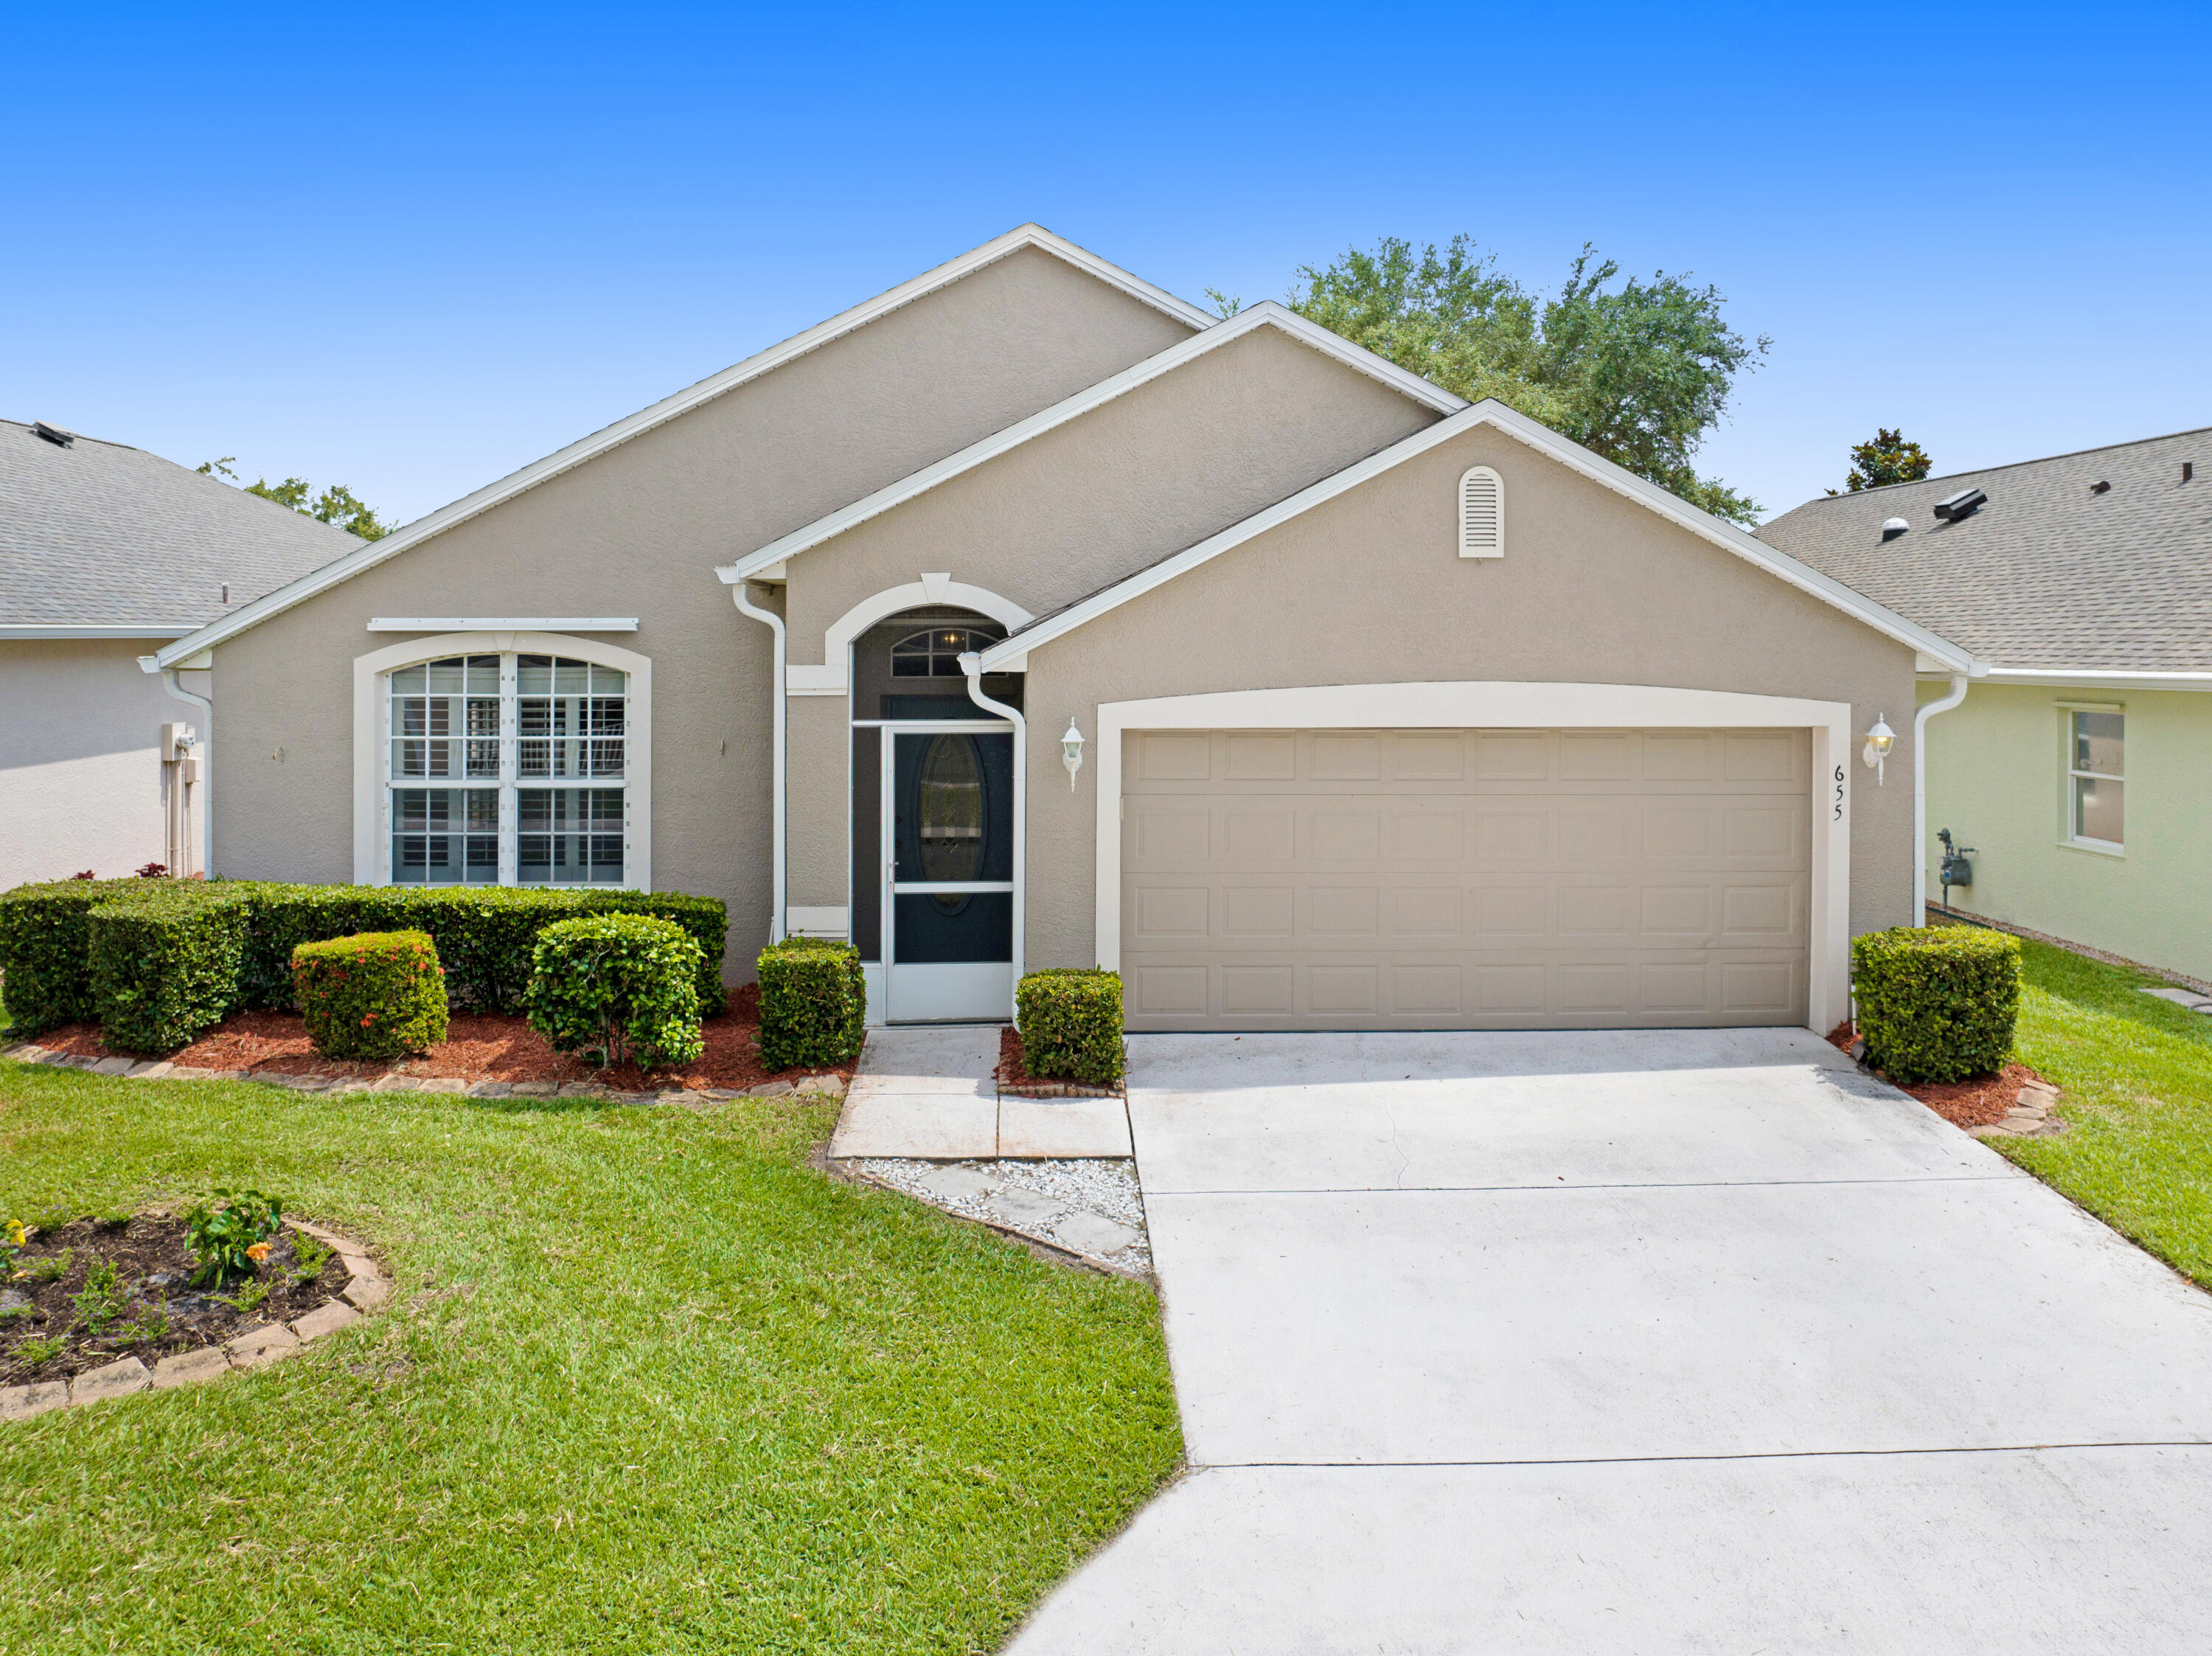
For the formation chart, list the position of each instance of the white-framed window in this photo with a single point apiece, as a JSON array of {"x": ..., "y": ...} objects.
[
  {"x": 1481, "y": 514},
  {"x": 2096, "y": 772},
  {"x": 504, "y": 759},
  {"x": 935, "y": 652}
]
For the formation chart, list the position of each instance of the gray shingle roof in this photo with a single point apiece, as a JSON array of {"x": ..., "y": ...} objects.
[
  {"x": 2045, "y": 574},
  {"x": 100, "y": 535}
]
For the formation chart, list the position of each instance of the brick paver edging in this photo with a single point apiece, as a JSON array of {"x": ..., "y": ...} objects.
[
  {"x": 367, "y": 1287},
  {"x": 162, "y": 1070}
]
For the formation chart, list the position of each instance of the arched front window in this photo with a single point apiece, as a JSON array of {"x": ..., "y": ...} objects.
[
  {"x": 508, "y": 768},
  {"x": 935, "y": 652}
]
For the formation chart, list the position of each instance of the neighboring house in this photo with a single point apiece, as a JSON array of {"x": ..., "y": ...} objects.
[
  {"x": 107, "y": 552},
  {"x": 1027, "y": 616},
  {"x": 2079, "y": 765}
]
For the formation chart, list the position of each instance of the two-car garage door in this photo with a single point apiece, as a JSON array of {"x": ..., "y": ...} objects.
[{"x": 1347, "y": 879}]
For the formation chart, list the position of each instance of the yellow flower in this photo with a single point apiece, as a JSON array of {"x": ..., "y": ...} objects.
[{"x": 257, "y": 1252}]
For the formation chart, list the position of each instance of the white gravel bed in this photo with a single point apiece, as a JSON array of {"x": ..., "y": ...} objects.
[{"x": 1093, "y": 1206}]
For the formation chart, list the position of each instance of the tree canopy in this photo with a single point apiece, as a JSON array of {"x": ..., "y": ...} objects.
[
  {"x": 336, "y": 505},
  {"x": 1640, "y": 372},
  {"x": 1888, "y": 459}
]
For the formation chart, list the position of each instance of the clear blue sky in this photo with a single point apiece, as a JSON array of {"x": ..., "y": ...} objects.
[{"x": 409, "y": 249}]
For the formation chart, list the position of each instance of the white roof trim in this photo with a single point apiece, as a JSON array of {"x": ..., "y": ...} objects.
[
  {"x": 1267, "y": 313},
  {"x": 61, "y": 630},
  {"x": 1571, "y": 454},
  {"x": 372, "y": 552},
  {"x": 503, "y": 624},
  {"x": 2100, "y": 678}
]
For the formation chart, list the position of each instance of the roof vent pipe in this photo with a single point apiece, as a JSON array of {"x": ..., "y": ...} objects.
[
  {"x": 1952, "y": 508},
  {"x": 2100, "y": 487},
  {"x": 1892, "y": 527},
  {"x": 53, "y": 434}
]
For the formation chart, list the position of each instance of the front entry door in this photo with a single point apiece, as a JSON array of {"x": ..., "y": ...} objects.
[{"x": 949, "y": 880}]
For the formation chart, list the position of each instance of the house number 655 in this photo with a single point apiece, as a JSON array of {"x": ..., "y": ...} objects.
[{"x": 1839, "y": 793}]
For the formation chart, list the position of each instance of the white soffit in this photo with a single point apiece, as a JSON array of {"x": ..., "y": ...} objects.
[
  {"x": 1267, "y": 314},
  {"x": 94, "y": 631},
  {"x": 372, "y": 552},
  {"x": 1545, "y": 441}
]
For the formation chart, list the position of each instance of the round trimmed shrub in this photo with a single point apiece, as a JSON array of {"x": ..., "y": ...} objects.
[
  {"x": 373, "y": 995},
  {"x": 612, "y": 986},
  {"x": 1936, "y": 1003}
]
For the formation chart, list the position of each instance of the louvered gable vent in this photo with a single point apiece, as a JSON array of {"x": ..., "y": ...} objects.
[{"x": 1481, "y": 514}]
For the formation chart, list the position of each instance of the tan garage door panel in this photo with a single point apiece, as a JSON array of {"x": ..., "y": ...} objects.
[{"x": 1465, "y": 879}]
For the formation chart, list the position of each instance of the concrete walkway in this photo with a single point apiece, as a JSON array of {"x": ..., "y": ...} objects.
[
  {"x": 1638, "y": 1342},
  {"x": 928, "y": 1093}
]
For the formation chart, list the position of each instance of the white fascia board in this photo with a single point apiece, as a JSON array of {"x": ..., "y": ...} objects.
[
  {"x": 1565, "y": 450},
  {"x": 503, "y": 624},
  {"x": 372, "y": 552},
  {"x": 63, "y": 632},
  {"x": 2098, "y": 678},
  {"x": 1267, "y": 314}
]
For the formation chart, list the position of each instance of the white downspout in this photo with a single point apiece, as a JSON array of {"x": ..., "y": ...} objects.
[
  {"x": 972, "y": 665},
  {"x": 149, "y": 663},
  {"x": 1920, "y": 793},
  {"x": 777, "y": 829}
]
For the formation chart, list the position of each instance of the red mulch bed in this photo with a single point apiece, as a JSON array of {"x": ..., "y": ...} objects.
[
  {"x": 1014, "y": 1066},
  {"x": 478, "y": 1046},
  {"x": 1977, "y": 1101}
]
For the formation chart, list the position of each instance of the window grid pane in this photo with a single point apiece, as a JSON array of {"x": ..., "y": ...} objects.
[
  {"x": 570, "y": 722},
  {"x": 2099, "y": 761}
]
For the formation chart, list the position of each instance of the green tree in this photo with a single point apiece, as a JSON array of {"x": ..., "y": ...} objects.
[
  {"x": 336, "y": 505},
  {"x": 1640, "y": 373},
  {"x": 1887, "y": 460}
]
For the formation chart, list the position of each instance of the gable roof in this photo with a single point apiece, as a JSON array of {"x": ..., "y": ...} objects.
[
  {"x": 669, "y": 408},
  {"x": 1571, "y": 454},
  {"x": 2045, "y": 575},
  {"x": 1267, "y": 314},
  {"x": 102, "y": 540}
]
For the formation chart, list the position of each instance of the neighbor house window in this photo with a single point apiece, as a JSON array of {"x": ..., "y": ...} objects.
[
  {"x": 2097, "y": 763},
  {"x": 508, "y": 769}
]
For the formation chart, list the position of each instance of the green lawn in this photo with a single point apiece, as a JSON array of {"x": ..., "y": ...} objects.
[
  {"x": 648, "y": 1383},
  {"x": 2138, "y": 1076}
]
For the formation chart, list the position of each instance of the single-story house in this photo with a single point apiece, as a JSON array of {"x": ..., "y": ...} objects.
[
  {"x": 1029, "y": 615},
  {"x": 107, "y": 552},
  {"x": 2074, "y": 762}
]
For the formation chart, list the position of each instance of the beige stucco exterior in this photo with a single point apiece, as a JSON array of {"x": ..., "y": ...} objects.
[
  {"x": 1368, "y": 588},
  {"x": 637, "y": 532},
  {"x": 1365, "y": 588}
]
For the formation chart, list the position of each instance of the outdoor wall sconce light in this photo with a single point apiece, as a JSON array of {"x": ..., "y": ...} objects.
[
  {"x": 1879, "y": 740},
  {"x": 1071, "y": 753}
]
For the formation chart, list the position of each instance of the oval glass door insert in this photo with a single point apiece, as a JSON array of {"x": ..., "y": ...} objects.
[{"x": 950, "y": 815}]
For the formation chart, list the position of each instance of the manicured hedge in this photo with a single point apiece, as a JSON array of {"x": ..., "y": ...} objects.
[
  {"x": 44, "y": 950},
  {"x": 485, "y": 935},
  {"x": 813, "y": 1004},
  {"x": 1070, "y": 1022},
  {"x": 615, "y": 986},
  {"x": 1936, "y": 1003},
  {"x": 377, "y": 995},
  {"x": 165, "y": 963}
]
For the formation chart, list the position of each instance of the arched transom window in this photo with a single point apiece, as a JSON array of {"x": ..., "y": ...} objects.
[
  {"x": 935, "y": 652},
  {"x": 508, "y": 768}
]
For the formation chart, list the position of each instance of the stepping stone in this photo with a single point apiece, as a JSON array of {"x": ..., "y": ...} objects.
[
  {"x": 188, "y": 1367},
  {"x": 22, "y": 1401},
  {"x": 1026, "y": 1210},
  {"x": 1093, "y": 1233},
  {"x": 116, "y": 1379},
  {"x": 955, "y": 1183},
  {"x": 2188, "y": 997}
]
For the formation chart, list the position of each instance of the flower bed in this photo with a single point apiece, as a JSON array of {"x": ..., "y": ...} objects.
[
  {"x": 55, "y": 1321},
  {"x": 477, "y": 1047},
  {"x": 1016, "y": 1081}
]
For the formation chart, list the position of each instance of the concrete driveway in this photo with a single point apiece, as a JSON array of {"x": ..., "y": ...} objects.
[{"x": 1644, "y": 1342}]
